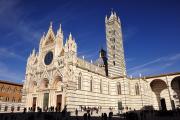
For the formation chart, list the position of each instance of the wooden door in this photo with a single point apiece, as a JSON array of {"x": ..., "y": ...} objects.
[
  {"x": 59, "y": 102},
  {"x": 34, "y": 104}
]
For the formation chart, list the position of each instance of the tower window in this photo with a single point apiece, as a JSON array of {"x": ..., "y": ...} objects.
[
  {"x": 119, "y": 88},
  {"x": 91, "y": 87},
  {"x": 113, "y": 47},
  {"x": 112, "y": 32},
  {"x": 112, "y": 39},
  {"x": 114, "y": 63}
]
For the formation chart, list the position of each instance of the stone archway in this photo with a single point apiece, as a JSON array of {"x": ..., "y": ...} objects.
[
  {"x": 175, "y": 85},
  {"x": 57, "y": 86},
  {"x": 159, "y": 88},
  {"x": 44, "y": 86},
  {"x": 57, "y": 83}
]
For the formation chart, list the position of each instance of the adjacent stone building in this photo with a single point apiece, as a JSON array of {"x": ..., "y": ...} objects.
[
  {"x": 10, "y": 96},
  {"x": 56, "y": 76}
]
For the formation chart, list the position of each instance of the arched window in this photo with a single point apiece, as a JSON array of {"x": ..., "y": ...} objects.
[
  {"x": 108, "y": 88},
  {"x": 13, "y": 99},
  {"x": 91, "y": 84},
  {"x": 100, "y": 86},
  {"x": 79, "y": 81},
  {"x": 9, "y": 90},
  {"x": 7, "y": 99},
  {"x": 119, "y": 88},
  {"x": 137, "y": 89}
]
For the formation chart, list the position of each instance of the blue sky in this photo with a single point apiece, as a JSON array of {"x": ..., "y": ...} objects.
[{"x": 151, "y": 31}]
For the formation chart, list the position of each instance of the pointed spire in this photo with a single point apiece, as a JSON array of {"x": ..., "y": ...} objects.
[
  {"x": 50, "y": 27},
  {"x": 111, "y": 11},
  {"x": 119, "y": 20},
  {"x": 33, "y": 52},
  {"x": 106, "y": 18},
  {"x": 59, "y": 31},
  {"x": 112, "y": 15},
  {"x": 115, "y": 14},
  {"x": 44, "y": 34},
  {"x": 50, "y": 31},
  {"x": 70, "y": 36}
]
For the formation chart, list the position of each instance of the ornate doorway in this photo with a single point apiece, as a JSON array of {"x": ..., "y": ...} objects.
[
  {"x": 59, "y": 102},
  {"x": 45, "y": 101}
]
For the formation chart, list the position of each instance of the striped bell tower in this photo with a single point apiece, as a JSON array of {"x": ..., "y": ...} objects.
[{"x": 114, "y": 43}]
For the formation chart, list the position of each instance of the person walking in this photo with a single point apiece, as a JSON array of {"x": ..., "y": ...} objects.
[{"x": 76, "y": 112}]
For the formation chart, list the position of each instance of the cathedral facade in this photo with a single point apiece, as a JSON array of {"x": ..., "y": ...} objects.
[{"x": 56, "y": 76}]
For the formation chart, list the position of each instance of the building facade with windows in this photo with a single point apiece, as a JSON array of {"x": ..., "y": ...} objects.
[
  {"x": 56, "y": 76},
  {"x": 10, "y": 96}
]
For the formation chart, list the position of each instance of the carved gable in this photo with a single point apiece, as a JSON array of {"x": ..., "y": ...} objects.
[{"x": 50, "y": 40}]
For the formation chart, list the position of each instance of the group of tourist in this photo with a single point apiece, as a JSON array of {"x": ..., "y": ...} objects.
[
  {"x": 87, "y": 115},
  {"x": 46, "y": 109},
  {"x": 90, "y": 108}
]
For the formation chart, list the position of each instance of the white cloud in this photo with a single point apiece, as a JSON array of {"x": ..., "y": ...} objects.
[
  {"x": 154, "y": 66},
  {"x": 146, "y": 64},
  {"x": 4, "y": 52}
]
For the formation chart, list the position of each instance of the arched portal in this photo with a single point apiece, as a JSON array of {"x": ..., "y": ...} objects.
[
  {"x": 159, "y": 88},
  {"x": 57, "y": 85},
  {"x": 33, "y": 88},
  {"x": 175, "y": 85},
  {"x": 44, "y": 85}
]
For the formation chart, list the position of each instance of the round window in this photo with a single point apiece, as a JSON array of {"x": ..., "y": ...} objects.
[{"x": 48, "y": 58}]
